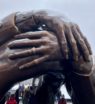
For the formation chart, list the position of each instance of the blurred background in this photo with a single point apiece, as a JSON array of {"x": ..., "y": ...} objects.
[{"x": 78, "y": 11}]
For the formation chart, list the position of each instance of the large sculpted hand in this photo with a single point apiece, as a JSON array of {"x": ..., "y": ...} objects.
[
  {"x": 46, "y": 45},
  {"x": 51, "y": 21},
  {"x": 70, "y": 39},
  {"x": 42, "y": 43},
  {"x": 81, "y": 66},
  {"x": 10, "y": 72}
]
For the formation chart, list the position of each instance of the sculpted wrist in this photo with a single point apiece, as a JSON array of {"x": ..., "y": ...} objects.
[
  {"x": 25, "y": 22},
  {"x": 8, "y": 28}
]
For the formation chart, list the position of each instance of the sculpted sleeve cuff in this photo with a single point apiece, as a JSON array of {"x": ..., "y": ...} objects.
[
  {"x": 83, "y": 87},
  {"x": 8, "y": 28}
]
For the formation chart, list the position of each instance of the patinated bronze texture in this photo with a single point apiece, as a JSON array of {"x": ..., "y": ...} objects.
[
  {"x": 60, "y": 26},
  {"x": 43, "y": 39}
]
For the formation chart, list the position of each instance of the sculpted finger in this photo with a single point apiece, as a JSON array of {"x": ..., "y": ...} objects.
[
  {"x": 72, "y": 42},
  {"x": 32, "y": 35},
  {"x": 81, "y": 44},
  {"x": 34, "y": 62},
  {"x": 29, "y": 52},
  {"x": 26, "y": 43},
  {"x": 85, "y": 40},
  {"x": 64, "y": 47}
]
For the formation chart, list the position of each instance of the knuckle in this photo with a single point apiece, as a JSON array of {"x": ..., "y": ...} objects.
[
  {"x": 84, "y": 48},
  {"x": 77, "y": 26},
  {"x": 72, "y": 41},
  {"x": 45, "y": 32},
  {"x": 71, "y": 24},
  {"x": 67, "y": 28},
  {"x": 64, "y": 43},
  {"x": 66, "y": 25},
  {"x": 36, "y": 62},
  {"x": 65, "y": 49},
  {"x": 76, "y": 51},
  {"x": 85, "y": 39},
  {"x": 74, "y": 47},
  {"x": 28, "y": 33},
  {"x": 46, "y": 41},
  {"x": 81, "y": 41},
  {"x": 30, "y": 51},
  {"x": 86, "y": 52}
]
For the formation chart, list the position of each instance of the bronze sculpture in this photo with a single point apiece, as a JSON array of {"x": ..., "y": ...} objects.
[{"x": 59, "y": 40}]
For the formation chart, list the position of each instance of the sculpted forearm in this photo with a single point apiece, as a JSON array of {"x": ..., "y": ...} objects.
[
  {"x": 8, "y": 28},
  {"x": 83, "y": 87}
]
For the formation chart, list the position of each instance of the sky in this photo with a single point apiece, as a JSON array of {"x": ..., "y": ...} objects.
[{"x": 81, "y": 12}]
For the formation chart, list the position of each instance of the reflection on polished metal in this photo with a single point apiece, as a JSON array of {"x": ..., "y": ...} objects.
[{"x": 34, "y": 50}]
